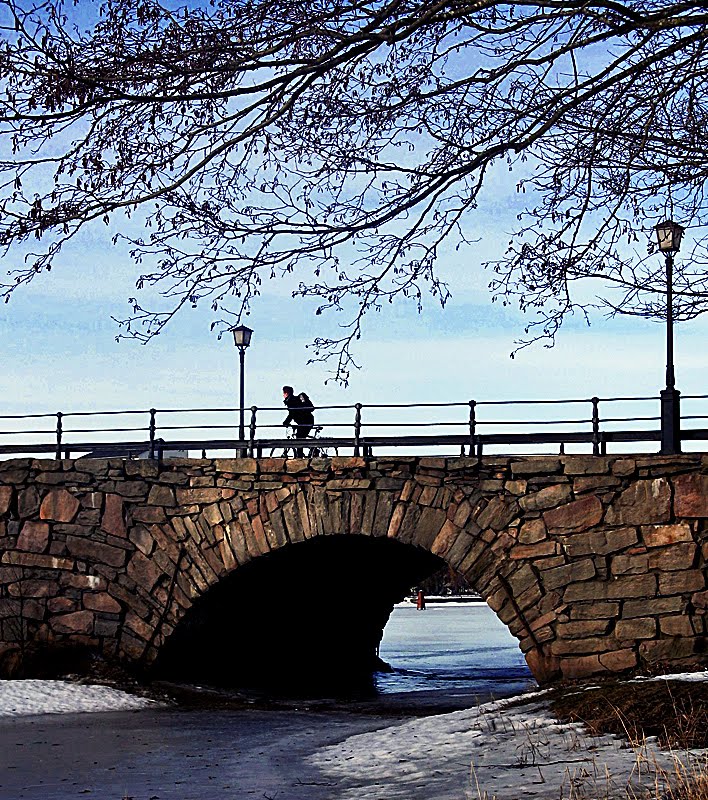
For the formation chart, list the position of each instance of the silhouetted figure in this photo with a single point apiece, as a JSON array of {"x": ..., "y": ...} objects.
[{"x": 301, "y": 412}]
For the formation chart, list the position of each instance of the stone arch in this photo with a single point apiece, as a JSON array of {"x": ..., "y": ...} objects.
[{"x": 462, "y": 527}]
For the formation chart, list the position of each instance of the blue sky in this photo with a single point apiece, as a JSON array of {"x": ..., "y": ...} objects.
[{"x": 59, "y": 348}]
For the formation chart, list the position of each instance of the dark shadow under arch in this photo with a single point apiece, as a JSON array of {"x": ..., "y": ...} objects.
[{"x": 308, "y": 616}]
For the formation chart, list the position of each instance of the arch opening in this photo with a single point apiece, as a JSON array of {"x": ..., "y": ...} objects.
[{"x": 307, "y": 617}]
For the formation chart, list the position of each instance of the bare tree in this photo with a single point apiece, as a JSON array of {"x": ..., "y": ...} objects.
[{"x": 344, "y": 141}]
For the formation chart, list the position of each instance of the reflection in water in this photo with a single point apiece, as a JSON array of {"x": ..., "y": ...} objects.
[{"x": 451, "y": 647}]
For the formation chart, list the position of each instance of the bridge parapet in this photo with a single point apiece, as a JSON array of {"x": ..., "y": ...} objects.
[{"x": 596, "y": 564}]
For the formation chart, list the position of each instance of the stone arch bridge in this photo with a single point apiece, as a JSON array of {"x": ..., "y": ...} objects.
[{"x": 595, "y": 564}]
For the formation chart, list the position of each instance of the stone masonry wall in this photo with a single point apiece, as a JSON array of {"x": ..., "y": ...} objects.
[{"x": 596, "y": 564}]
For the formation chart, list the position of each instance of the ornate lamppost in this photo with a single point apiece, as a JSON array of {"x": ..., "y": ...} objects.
[
  {"x": 668, "y": 235},
  {"x": 242, "y": 339}
]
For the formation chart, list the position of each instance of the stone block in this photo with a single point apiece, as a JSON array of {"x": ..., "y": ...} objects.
[
  {"x": 27, "y": 502},
  {"x": 34, "y": 537},
  {"x": 516, "y": 487},
  {"x": 161, "y": 496},
  {"x": 75, "y": 622},
  {"x": 96, "y": 552},
  {"x": 579, "y": 647},
  {"x": 6, "y": 493},
  {"x": 667, "y": 650},
  {"x": 678, "y": 625},
  {"x": 96, "y": 583},
  {"x": 34, "y": 588},
  {"x": 662, "y": 535},
  {"x": 497, "y": 514},
  {"x": 532, "y": 551},
  {"x": 549, "y": 497},
  {"x": 593, "y": 482},
  {"x": 635, "y": 628},
  {"x": 581, "y": 629},
  {"x": 690, "y": 580},
  {"x": 598, "y": 542},
  {"x": 59, "y": 505},
  {"x": 674, "y": 557},
  {"x": 62, "y": 605},
  {"x": 624, "y": 467},
  {"x": 102, "y": 602},
  {"x": 142, "y": 539},
  {"x": 568, "y": 574},
  {"x": 691, "y": 495},
  {"x": 149, "y": 514},
  {"x": 586, "y": 465},
  {"x": 142, "y": 468},
  {"x": 203, "y": 496},
  {"x": 655, "y": 606},
  {"x": 643, "y": 502},
  {"x": 597, "y": 610},
  {"x": 578, "y": 515},
  {"x": 237, "y": 466},
  {"x": 535, "y": 465},
  {"x": 635, "y": 564},
  {"x": 112, "y": 520},
  {"x": 532, "y": 531},
  {"x": 619, "y": 660}
]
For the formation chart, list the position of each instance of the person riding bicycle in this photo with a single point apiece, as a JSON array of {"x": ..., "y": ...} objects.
[{"x": 300, "y": 411}]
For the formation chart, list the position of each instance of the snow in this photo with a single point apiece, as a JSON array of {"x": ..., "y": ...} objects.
[
  {"x": 20, "y": 698},
  {"x": 497, "y": 750}
]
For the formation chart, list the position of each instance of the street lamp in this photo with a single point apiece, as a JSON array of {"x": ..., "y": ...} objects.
[
  {"x": 242, "y": 339},
  {"x": 668, "y": 235}
]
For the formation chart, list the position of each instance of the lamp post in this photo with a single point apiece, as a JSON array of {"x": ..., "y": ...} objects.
[
  {"x": 242, "y": 339},
  {"x": 668, "y": 235}
]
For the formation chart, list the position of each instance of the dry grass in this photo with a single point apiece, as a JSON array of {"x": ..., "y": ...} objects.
[{"x": 676, "y": 712}]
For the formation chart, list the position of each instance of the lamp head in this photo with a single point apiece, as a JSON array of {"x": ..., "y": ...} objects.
[
  {"x": 668, "y": 236},
  {"x": 242, "y": 336}
]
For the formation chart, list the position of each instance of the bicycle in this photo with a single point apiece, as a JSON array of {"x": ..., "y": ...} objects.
[{"x": 315, "y": 452}]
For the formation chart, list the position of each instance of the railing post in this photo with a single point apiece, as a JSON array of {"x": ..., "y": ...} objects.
[
  {"x": 59, "y": 433},
  {"x": 252, "y": 432},
  {"x": 473, "y": 424},
  {"x": 152, "y": 429},
  {"x": 595, "y": 425},
  {"x": 357, "y": 428}
]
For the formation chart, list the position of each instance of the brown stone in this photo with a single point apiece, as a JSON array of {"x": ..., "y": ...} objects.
[
  {"x": 678, "y": 625},
  {"x": 667, "y": 649},
  {"x": 101, "y": 602},
  {"x": 161, "y": 496},
  {"x": 691, "y": 495},
  {"x": 547, "y": 498},
  {"x": 532, "y": 531},
  {"x": 545, "y": 668},
  {"x": 60, "y": 506},
  {"x": 568, "y": 574},
  {"x": 36, "y": 560},
  {"x": 619, "y": 660},
  {"x": 112, "y": 520},
  {"x": 586, "y": 465},
  {"x": 95, "y": 552},
  {"x": 34, "y": 537},
  {"x": 636, "y": 628},
  {"x": 596, "y": 610},
  {"x": 578, "y": 515},
  {"x": 598, "y": 542},
  {"x": 661, "y": 535},
  {"x": 34, "y": 588},
  {"x": 580, "y": 629},
  {"x": 652, "y": 606},
  {"x": 535, "y": 465},
  {"x": 189, "y": 496},
  {"x": 76, "y": 622},
  {"x": 497, "y": 514},
  {"x": 5, "y": 498},
  {"x": 645, "y": 501},
  {"x": 633, "y": 564},
  {"x": 537, "y": 550},
  {"x": 593, "y": 482},
  {"x": 675, "y": 557},
  {"x": 624, "y": 467},
  {"x": 690, "y": 580},
  {"x": 28, "y": 502}
]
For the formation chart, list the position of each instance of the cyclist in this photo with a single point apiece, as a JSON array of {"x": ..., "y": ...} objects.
[{"x": 300, "y": 411}]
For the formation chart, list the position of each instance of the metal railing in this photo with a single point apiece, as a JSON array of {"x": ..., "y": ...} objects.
[{"x": 466, "y": 428}]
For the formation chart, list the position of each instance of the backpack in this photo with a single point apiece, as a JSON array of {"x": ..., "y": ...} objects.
[{"x": 305, "y": 401}]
